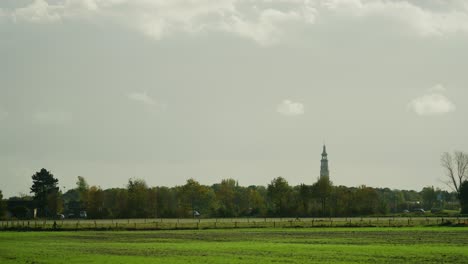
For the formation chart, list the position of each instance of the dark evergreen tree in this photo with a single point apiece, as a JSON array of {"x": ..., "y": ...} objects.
[
  {"x": 46, "y": 193},
  {"x": 2, "y": 205},
  {"x": 464, "y": 197}
]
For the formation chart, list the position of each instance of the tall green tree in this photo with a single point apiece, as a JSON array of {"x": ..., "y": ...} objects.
[
  {"x": 322, "y": 190},
  {"x": 366, "y": 200},
  {"x": 343, "y": 201},
  {"x": 82, "y": 187},
  {"x": 304, "y": 198},
  {"x": 166, "y": 202},
  {"x": 195, "y": 197},
  {"x": 429, "y": 197},
  {"x": 278, "y": 193},
  {"x": 138, "y": 198},
  {"x": 226, "y": 194},
  {"x": 464, "y": 197},
  {"x": 255, "y": 201},
  {"x": 2, "y": 205},
  {"x": 152, "y": 202},
  {"x": 116, "y": 203},
  {"x": 95, "y": 202},
  {"x": 46, "y": 193}
]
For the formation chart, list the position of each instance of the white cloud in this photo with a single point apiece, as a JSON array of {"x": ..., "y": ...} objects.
[
  {"x": 268, "y": 28},
  {"x": 160, "y": 18},
  {"x": 290, "y": 108},
  {"x": 425, "y": 18},
  {"x": 38, "y": 11},
  {"x": 263, "y": 21},
  {"x": 433, "y": 103},
  {"x": 52, "y": 118},
  {"x": 142, "y": 98},
  {"x": 438, "y": 88},
  {"x": 152, "y": 105}
]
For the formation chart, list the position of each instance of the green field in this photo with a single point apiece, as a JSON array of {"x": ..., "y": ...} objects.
[
  {"x": 266, "y": 245},
  {"x": 224, "y": 223}
]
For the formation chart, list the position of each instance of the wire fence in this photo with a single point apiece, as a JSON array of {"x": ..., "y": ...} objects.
[{"x": 220, "y": 223}]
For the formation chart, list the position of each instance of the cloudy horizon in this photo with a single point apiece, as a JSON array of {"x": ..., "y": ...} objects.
[{"x": 245, "y": 89}]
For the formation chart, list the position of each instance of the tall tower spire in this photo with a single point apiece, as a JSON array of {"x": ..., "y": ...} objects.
[{"x": 324, "y": 164}]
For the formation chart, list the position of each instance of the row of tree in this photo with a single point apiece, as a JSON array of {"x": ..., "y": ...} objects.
[{"x": 228, "y": 199}]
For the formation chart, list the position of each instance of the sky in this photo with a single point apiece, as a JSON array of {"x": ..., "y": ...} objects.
[{"x": 247, "y": 89}]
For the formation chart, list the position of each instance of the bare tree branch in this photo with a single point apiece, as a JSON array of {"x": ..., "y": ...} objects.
[{"x": 456, "y": 169}]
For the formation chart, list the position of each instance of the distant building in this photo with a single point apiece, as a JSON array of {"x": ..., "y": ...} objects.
[{"x": 324, "y": 172}]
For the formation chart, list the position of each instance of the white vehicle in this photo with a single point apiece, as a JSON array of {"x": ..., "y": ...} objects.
[{"x": 83, "y": 214}]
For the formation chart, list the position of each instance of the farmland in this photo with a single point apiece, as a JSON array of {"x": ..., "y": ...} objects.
[
  {"x": 253, "y": 245},
  {"x": 223, "y": 223}
]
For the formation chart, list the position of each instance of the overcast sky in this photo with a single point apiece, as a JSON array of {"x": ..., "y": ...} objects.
[{"x": 166, "y": 90}]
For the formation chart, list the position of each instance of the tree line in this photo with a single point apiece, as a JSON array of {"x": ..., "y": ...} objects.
[{"x": 228, "y": 199}]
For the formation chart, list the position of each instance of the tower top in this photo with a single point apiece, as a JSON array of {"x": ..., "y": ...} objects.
[{"x": 324, "y": 172}]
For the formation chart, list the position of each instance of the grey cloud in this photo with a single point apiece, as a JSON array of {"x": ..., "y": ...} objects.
[
  {"x": 265, "y": 22},
  {"x": 98, "y": 84}
]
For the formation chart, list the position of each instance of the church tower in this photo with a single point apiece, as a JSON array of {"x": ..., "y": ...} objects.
[{"x": 324, "y": 164}]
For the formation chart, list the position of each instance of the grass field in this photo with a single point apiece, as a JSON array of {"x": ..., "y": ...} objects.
[
  {"x": 266, "y": 245},
  {"x": 225, "y": 223}
]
